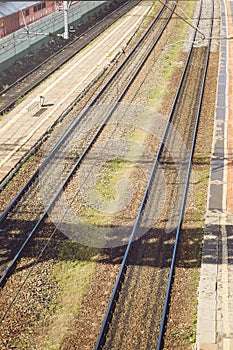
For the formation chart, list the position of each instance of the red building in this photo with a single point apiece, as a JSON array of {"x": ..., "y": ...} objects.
[{"x": 17, "y": 14}]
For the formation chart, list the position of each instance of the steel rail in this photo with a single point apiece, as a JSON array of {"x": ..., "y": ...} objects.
[
  {"x": 68, "y": 57},
  {"x": 13, "y": 263},
  {"x": 172, "y": 266},
  {"x": 120, "y": 278},
  {"x": 123, "y": 267}
]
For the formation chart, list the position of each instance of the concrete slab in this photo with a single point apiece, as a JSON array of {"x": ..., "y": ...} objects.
[
  {"x": 216, "y": 197},
  {"x": 207, "y": 346},
  {"x": 227, "y": 344},
  {"x": 205, "y": 311},
  {"x": 222, "y": 87},
  {"x": 221, "y": 102},
  {"x": 217, "y": 332},
  {"x": 206, "y": 336},
  {"x": 222, "y": 79},
  {"x": 220, "y": 113}
]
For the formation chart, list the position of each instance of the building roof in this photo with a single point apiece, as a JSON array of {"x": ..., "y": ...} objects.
[{"x": 9, "y": 7}]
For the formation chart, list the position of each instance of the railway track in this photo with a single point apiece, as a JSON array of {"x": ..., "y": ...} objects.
[
  {"x": 75, "y": 105},
  {"x": 146, "y": 267},
  {"x": 138, "y": 308},
  {"x": 22, "y": 219},
  {"x": 29, "y": 81}
]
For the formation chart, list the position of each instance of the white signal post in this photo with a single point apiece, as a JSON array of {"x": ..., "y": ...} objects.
[{"x": 65, "y": 9}]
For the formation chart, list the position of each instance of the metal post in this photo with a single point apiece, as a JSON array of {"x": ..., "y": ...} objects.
[
  {"x": 65, "y": 9},
  {"x": 41, "y": 101}
]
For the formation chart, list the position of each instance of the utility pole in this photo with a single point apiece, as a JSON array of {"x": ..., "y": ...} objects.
[{"x": 65, "y": 9}]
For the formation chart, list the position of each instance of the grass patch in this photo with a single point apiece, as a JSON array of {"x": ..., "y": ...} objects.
[
  {"x": 106, "y": 192},
  {"x": 26, "y": 164},
  {"x": 190, "y": 335},
  {"x": 169, "y": 62},
  {"x": 72, "y": 273},
  {"x": 168, "y": 66},
  {"x": 2, "y": 116},
  {"x": 21, "y": 99},
  {"x": 114, "y": 172},
  {"x": 199, "y": 197}
]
